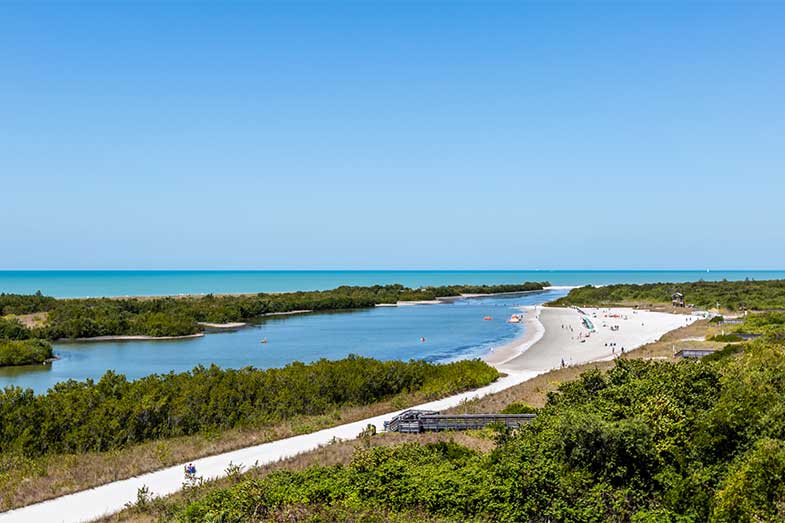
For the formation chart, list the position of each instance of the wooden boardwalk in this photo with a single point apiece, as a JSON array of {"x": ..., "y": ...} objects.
[{"x": 416, "y": 421}]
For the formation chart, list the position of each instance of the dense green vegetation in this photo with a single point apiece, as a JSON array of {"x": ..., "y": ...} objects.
[
  {"x": 769, "y": 324},
  {"x": 731, "y": 295},
  {"x": 645, "y": 442},
  {"x": 24, "y": 352},
  {"x": 114, "y": 412},
  {"x": 25, "y": 303},
  {"x": 727, "y": 338},
  {"x": 175, "y": 316},
  {"x": 11, "y": 329}
]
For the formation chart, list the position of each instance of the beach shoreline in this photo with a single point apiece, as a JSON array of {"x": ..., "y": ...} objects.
[
  {"x": 563, "y": 338},
  {"x": 228, "y": 325},
  {"x": 533, "y": 331}
]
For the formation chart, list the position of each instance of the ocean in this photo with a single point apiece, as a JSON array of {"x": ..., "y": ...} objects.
[{"x": 74, "y": 284}]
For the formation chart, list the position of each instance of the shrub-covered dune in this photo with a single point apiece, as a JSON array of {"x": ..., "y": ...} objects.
[{"x": 646, "y": 442}]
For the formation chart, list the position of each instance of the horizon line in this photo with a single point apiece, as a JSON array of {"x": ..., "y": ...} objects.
[{"x": 705, "y": 270}]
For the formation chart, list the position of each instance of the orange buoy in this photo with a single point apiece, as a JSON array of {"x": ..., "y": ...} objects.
[{"x": 487, "y": 318}]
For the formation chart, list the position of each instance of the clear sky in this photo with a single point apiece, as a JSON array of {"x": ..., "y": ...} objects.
[{"x": 399, "y": 135}]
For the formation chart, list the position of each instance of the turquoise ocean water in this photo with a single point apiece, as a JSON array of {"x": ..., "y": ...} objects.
[{"x": 70, "y": 284}]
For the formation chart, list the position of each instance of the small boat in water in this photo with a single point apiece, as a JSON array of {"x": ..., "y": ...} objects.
[
  {"x": 487, "y": 318},
  {"x": 515, "y": 318}
]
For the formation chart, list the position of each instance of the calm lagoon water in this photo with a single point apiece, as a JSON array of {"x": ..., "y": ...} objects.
[
  {"x": 452, "y": 331},
  {"x": 71, "y": 284}
]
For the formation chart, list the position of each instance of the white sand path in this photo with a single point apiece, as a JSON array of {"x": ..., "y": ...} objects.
[
  {"x": 541, "y": 349},
  {"x": 112, "y": 497}
]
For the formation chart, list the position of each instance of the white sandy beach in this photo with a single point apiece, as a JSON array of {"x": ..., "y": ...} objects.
[
  {"x": 533, "y": 331},
  {"x": 229, "y": 325},
  {"x": 550, "y": 335},
  {"x": 554, "y": 334}
]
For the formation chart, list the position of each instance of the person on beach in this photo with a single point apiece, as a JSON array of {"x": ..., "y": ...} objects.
[{"x": 562, "y": 363}]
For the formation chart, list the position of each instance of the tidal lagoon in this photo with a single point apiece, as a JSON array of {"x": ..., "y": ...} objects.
[{"x": 452, "y": 330}]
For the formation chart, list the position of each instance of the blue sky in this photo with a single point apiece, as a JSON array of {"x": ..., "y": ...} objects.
[{"x": 400, "y": 135}]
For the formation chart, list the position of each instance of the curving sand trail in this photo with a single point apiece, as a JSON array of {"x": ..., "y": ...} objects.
[
  {"x": 551, "y": 334},
  {"x": 112, "y": 497}
]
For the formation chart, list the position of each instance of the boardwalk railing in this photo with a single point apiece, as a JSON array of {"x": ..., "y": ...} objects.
[{"x": 415, "y": 421}]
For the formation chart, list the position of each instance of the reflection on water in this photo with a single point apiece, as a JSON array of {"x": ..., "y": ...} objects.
[
  {"x": 451, "y": 330},
  {"x": 23, "y": 370}
]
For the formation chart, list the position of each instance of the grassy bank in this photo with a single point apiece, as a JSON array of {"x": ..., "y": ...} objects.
[{"x": 338, "y": 453}]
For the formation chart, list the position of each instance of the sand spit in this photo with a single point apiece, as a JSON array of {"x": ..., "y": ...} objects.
[{"x": 566, "y": 337}]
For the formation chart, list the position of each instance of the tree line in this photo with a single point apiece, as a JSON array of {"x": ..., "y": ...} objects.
[
  {"x": 81, "y": 416},
  {"x": 731, "y": 295},
  {"x": 177, "y": 316}
]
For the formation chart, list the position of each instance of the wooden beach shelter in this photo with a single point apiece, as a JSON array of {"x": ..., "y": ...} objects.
[{"x": 677, "y": 299}]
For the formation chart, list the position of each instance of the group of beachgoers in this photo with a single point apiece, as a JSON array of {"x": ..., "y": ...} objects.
[{"x": 582, "y": 337}]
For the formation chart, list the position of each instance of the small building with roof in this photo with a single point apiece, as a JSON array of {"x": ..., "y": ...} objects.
[{"x": 677, "y": 299}]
